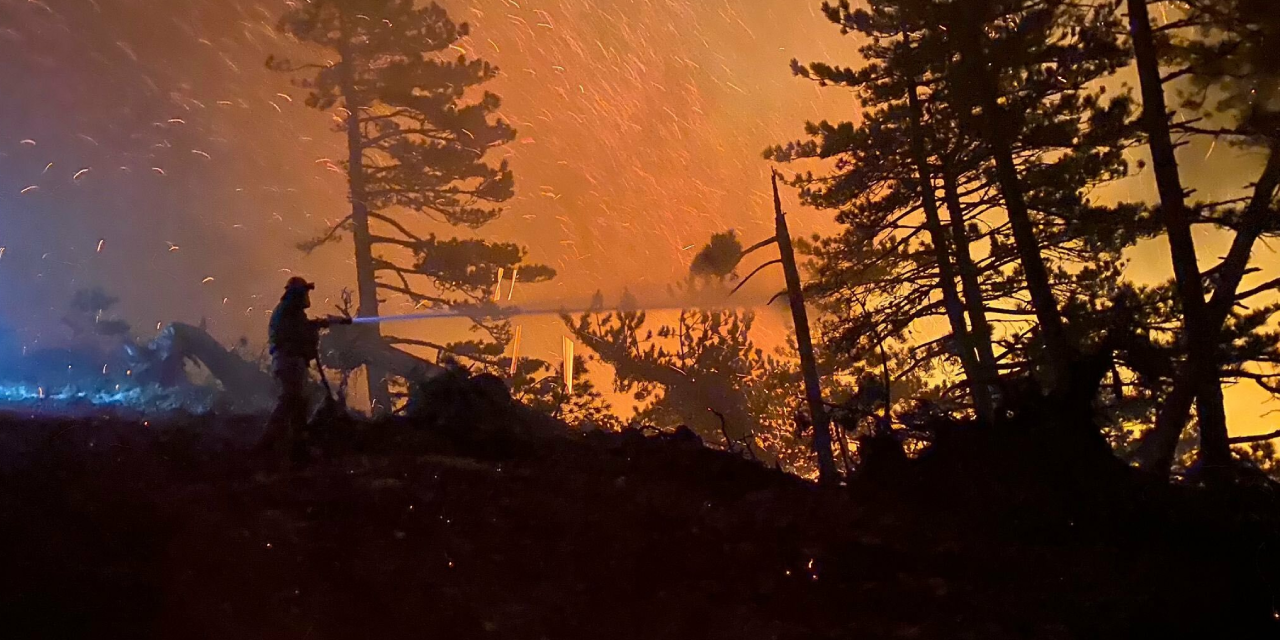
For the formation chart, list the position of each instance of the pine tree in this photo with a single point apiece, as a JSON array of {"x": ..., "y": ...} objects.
[
  {"x": 417, "y": 138},
  {"x": 1019, "y": 59},
  {"x": 539, "y": 386},
  {"x": 923, "y": 146},
  {"x": 705, "y": 372},
  {"x": 1227, "y": 49}
]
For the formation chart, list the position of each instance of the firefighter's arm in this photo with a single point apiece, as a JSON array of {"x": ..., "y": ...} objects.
[{"x": 329, "y": 321}]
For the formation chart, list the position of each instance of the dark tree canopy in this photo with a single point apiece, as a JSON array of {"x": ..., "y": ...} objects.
[
  {"x": 423, "y": 134},
  {"x": 912, "y": 250}
]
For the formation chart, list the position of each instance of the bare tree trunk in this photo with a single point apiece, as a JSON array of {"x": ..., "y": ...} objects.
[
  {"x": 1061, "y": 354},
  {"x": 1200, "y": 335},
  {"x": 982, "y": 402},
  {"x": 804, "y": 342},
  {"x": 980, "y": 328},
  {"x": 366, "y": 275}
]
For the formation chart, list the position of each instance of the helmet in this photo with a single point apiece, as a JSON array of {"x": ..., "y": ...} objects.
[{"x": 298, "y": 284}]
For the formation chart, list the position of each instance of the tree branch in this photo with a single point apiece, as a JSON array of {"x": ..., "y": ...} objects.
[
  {"x": 381, "y": 217},
  {"x": 311, "y": 245},
  {"x": 1269, "y": 286},
  {"x": 753, "y": 274},
  {"x": 1251, "y": 439}
]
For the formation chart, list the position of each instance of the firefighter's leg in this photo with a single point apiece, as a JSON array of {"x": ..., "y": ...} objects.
[
  {"x": 277, "y": 426},
  {"x": 290, "y": 413},
  {"x": 297, "y": 412}
]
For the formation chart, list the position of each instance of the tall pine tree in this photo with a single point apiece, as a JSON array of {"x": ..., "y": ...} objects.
[
  {"x": 1225, "y": 49},
  {"x": 924, "y": 146},
  {"x": 418, "y": 134}
]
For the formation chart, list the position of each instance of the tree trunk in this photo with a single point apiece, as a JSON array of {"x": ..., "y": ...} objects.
[
  {"x": 366, "y": 275},
  {"x": 1158, "y": 448},
  {"x": 996, "y": 121},
  {"x": 1199, "y": 334},
  {"x": 978, "y": 388},
  {"x": 804, "y": 342},
  {"x": 1236, "y": 264},
  {"x": 980, "y": 328}
]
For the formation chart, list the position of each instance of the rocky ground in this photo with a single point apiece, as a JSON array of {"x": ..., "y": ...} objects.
[{"x": 176, "y": 529}]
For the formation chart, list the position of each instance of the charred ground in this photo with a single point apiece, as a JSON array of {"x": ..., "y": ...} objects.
[{"x": 500, "y": 528}]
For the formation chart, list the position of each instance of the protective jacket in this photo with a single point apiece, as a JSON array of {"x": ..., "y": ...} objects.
[{"x": 292, "y": 334}]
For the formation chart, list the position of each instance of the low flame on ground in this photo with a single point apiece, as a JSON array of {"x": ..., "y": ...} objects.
[{"x": 146, "y": 398}]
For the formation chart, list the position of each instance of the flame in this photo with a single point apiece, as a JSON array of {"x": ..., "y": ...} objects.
[
  {"x": 515, "y": 351},
  {"x": 568, "y": 365}
]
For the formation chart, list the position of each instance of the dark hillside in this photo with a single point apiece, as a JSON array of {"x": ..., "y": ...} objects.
[{"x": 116, "y": 529}]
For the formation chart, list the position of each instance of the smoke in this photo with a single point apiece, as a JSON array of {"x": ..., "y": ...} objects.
[
  {"x": 136, "y": 158},
  {"x": 147, "y": 151},
  {"x": 171, "y": 168}
]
